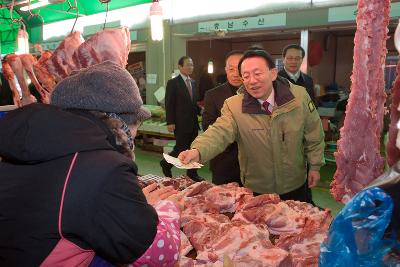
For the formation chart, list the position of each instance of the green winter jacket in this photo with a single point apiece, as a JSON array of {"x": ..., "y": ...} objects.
[{"x": 273, "y": 149}]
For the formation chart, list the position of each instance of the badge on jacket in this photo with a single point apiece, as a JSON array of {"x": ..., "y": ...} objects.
[{"x": 311, "y": 106}]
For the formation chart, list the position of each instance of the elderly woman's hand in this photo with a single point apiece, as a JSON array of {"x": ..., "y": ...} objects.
[{"x": 154, "y": 194}]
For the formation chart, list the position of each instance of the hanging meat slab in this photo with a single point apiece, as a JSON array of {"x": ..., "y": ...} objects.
[
  {"x": 28, "y": 62},
  {"x": 358, "y": 157},
  {"x": 42, "y": 74},
  {"x": 109, "y": 44},
  {"x": 60, "y": 63},
  {"x": 18, "y": 68}
]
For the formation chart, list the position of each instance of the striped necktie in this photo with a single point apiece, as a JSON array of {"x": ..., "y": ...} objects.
[{"x": 189, "y": 87}]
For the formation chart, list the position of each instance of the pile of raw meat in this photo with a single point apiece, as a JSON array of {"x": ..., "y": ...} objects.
[
  {"x": 358, "y": 158},
  {"x": 72, "y": 54},
  {"x": 178, "y": 182},
  {"x": 227, "y": 222}
]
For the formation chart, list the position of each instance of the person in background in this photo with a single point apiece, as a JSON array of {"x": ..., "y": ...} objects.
[
  {"x": 277, "y": 129},
  {"x": 293, "y": 55},
  {"x": 225, "y": 166},
  {"x": 69, "y": 194},
  {"x": 181, "y": 112}
]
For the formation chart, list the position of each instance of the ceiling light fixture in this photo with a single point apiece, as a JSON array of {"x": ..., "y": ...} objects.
[
  {"x": 210, "y": 66},
  {"x": 156, "y": 21}
]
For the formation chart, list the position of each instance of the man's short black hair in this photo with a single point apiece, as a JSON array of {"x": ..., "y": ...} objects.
[
  {"x": 181, "y": 61},
  {"x": 233, "y": 52},
  {"x": 257, "y": 53},
  {"x": 293, "y": 46}
]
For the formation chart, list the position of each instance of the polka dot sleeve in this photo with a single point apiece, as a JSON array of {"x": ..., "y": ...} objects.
[{"x": 164, "y": 251}]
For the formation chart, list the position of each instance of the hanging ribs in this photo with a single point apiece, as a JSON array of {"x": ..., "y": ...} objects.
[
  {"x": 109, "y": 44},
  {"x": 358, "y": 157},
  {"x": 43, "y": 75},
  {"x": 60, "y": 63},
  {"x": 18, "y": 68}
]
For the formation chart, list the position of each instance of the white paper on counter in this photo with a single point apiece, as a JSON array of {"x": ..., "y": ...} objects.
[{"x": 177, "y": 163}]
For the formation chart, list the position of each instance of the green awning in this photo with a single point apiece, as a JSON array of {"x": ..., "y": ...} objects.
[{"x": 50, "y": 13}]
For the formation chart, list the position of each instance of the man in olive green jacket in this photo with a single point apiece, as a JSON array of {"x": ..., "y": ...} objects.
[{"x": 276, "y": 126}]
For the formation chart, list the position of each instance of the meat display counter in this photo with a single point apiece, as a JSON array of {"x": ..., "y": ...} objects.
[{"x": 221, "y": 222}]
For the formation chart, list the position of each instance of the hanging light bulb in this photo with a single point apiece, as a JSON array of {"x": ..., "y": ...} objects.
[
  {"x": 156, "y": 21},
  {"x": 210, "y": 68},
  {"x": 22, "y": 41}
]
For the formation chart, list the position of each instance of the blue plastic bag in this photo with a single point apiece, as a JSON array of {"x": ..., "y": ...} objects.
[{"x": 355, "y": 237}]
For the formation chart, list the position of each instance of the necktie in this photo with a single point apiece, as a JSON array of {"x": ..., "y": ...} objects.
[
  {"x": 189, "y": 87},
  {"x": 266, "y": 106}
]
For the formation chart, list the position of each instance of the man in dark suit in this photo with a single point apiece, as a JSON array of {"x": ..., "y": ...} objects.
[
  {"x": 225, "y": 166},
  {"x": 293, "y": 55},
  {"x": 181, "y": 112}
]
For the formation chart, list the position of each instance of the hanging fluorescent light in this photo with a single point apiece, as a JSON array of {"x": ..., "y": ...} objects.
[
  {"x": 35, "y": 5},
  {"x": 210, "y": 67},
  {"x": 156, "y": 21},
  {"x": 22, "y": 42}
]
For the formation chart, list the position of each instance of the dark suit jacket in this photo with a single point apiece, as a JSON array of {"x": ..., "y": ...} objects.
[
  {"x": 225, "y": 164},
  {"x": 304, "y": 80},
  {"x": 180, "y": 109}
]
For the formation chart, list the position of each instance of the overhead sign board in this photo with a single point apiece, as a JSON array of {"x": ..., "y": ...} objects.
[{"x": 249, "y": 23}]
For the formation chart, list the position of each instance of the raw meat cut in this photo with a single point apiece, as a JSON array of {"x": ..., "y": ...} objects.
[
  {"x": 358, "y": 157},
  {"x": 60, "y": 63},
  {"x": 42, "y": 74},
  {"x": 109, "y": 44},
  {"x": 17, "y": 67},
  {"x": 186, "y": 217},
  {"x": 227, "y": 196},
  {"x": 27, "y": 62},
  {"x": 9, "y": 75},
  {"x": 279, "y": 217},
  {"x": 186, "y": 247},
  {"x": 304, "y": 248},
  {"x": 196, "y": 189}
]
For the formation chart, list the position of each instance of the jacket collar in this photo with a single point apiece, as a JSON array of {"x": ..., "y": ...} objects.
[{"x": 282, "y": 92}]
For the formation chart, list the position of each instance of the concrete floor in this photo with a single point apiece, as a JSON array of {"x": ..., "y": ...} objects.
[{"x": 148, "y": 163}]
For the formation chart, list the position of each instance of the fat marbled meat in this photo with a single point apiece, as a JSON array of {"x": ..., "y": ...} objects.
[
  {"x": 358, "y": 157},
  {"x": 60, "y": 63},
  {"x": 109, "y": 44}
]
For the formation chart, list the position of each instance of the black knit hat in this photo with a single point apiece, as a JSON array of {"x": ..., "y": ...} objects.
[{"x": 104, "y": 87}]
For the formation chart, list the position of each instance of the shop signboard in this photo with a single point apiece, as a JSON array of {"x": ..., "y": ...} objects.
[{"x": 248, "y": 23}]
